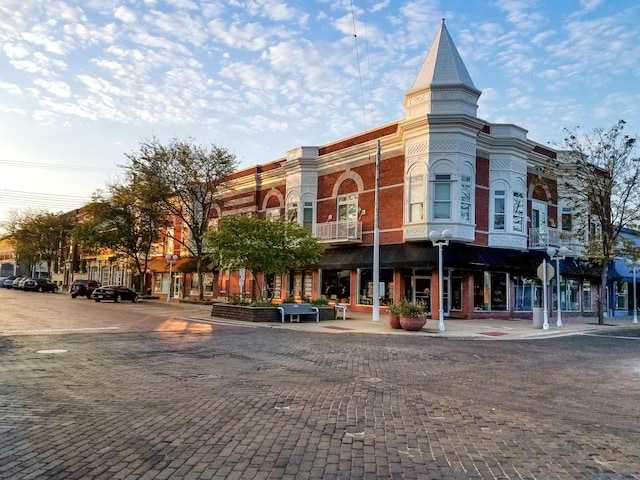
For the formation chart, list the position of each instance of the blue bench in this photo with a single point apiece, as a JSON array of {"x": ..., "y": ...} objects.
[{"x": 294, "y": 310}]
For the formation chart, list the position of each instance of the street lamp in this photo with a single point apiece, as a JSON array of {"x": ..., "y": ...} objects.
[
  {"x": 634, "y": 268},
  {"x": 558, "y": 254},
  {"x": 441, "y": 240},
  {"x": 171, "y": 259}
]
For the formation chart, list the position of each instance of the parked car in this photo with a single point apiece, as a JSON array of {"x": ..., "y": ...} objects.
[
  {"x": 83, "y": 288},
  {"x": 40, "y": 285},
  {"x": 2, "y": 281},
  {"x": 117, "y": 293},
  {"x": 8, "y": 282},
  {"x": 16, "y": 281},
  {"x": 20, "y": 284}
]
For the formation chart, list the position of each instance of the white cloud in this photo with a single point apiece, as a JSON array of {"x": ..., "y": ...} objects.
[{"x": 125, "y": 15}]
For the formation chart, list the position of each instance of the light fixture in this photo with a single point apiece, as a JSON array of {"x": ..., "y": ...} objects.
[
  {"x": 634, "y": 265},
  {"x": 171, "y": 259},
  {"x": 557, "y": 254},
  {"x": 440, "y": 240}
]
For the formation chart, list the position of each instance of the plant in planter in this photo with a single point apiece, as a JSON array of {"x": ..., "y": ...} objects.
[
  {"x": 412, "y": 316},
  {"x": 393, "y": 312}
]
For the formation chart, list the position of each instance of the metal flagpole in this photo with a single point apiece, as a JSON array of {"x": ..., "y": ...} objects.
[{"x": 376, "y": 244}]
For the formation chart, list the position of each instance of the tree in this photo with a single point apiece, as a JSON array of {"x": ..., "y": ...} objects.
[
  {"x": 38, "y": 236},
  {"x": 186, "y": 181},
  {"x": 126, "y": 220},
  {"x": 603, "y": 181},
  {"x": 261, "y": 246}
]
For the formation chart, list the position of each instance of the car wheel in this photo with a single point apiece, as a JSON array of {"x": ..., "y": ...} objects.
[
  {"x": 55, "y": 290},
  {"x": 73, "y": 296},
  {"x": 97, "y": 300},
  {"x": 135, "y": 299},
  {"x": 118, "y": 299},
  {"x": 40, "y": 289}
]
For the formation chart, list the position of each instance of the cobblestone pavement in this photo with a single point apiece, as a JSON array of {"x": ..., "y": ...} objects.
[{"x": 185, "y": 400}]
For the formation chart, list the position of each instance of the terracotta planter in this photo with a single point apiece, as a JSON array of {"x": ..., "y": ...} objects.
[
  {"x": 394, "y": 320},
  {"x": 413, "y": 324}
]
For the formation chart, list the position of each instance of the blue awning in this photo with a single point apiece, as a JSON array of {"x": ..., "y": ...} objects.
[{"x": 620, "y": 271}]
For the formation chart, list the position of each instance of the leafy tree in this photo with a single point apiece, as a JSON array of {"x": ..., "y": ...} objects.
[
  {"x": 603, "y": 182},
  {"x": 270, "y": 247},
  {"x": 126, "y": 220},
  {"x": 38, "y": 236},
  {"x": 186, "y": 181}
]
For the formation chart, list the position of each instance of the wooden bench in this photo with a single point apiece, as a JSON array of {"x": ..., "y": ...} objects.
[{"x": 294, "y": 310}]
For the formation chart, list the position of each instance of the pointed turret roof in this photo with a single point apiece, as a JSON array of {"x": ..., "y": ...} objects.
[{"x": 443, "y": 65}]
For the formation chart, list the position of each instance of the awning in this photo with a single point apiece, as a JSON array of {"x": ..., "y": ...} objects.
[
  {"x": 160, "y": 264},
  {"x": 423, "y": 255},
  {"x": 620, "y": 271}
]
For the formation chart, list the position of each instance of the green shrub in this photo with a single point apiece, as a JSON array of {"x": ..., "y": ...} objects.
[{"x": 320, "y": 302}]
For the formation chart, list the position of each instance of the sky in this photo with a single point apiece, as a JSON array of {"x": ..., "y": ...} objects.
[{"x": 83, "y": 82}]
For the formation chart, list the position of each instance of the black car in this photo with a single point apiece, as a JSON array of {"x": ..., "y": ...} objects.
[
  {"x": 40, "y": 285},
  {"x": 83, "y": 288},
  {"x": 117, "y": 293}
]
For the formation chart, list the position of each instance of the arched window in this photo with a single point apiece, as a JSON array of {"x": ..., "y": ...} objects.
[{"x": 416, "y": 196}]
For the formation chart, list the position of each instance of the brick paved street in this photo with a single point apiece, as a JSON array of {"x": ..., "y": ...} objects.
[{"x": 174, "y": 399}]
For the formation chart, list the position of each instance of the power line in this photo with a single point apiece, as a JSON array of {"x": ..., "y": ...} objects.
[
  {"x": 53, "y": 166},
  {"x": 44, "y": 200}
]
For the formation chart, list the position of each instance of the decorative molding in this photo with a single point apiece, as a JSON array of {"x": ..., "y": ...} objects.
[
  {"x": 240, "y": 201},
  {"x": 417, "y": 149}
]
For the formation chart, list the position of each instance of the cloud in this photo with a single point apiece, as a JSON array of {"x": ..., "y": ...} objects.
[{"x": 125, "y": 15}]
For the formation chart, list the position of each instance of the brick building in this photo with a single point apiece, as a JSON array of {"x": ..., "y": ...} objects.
[{"x": 442, "y": 168}]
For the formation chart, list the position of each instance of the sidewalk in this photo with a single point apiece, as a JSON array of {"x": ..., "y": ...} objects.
[{"x": 487, "y": 329}]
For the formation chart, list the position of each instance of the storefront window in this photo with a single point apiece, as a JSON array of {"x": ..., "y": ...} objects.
[
  {"x": 273, "y": 285},
  {"x": 571, "y": 298},
  {"x": 490, "y": 291},
  {"x": 336, "y": 285},
  {"x": 524, "y": 292},
  {"x": 365, "y": 286},
  {"x": 620, "y": 289},
  {"x": 586, "y": 297},
  {"x": 456, "y": 290},
  {"x": 161, "y": 282}
]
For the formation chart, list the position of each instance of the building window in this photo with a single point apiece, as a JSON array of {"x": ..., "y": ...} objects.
[
  {"x": 465, "y": 198},
  {"x": 442, "y": 197},
  {"x": 524, "y": 292},
  {"x": 586, "y": 297},
  {"x": 498, "y": 209},
  {"x": 307, "y": 216},
  {"x": 566, "y": 219},
  {"x": 416, "y": 198},
  {"x": 456, "y": 290},
  {"x": 518, "y": 212},
  {"x": 490, "y": 291},
  {"x": 272, "y": 213},
  {"x": 292, "y": 212}
]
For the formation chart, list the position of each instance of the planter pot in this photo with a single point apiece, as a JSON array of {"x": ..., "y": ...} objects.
[
  {"x": 413, "y": 324},
  {"x": 394, "y": 320}
]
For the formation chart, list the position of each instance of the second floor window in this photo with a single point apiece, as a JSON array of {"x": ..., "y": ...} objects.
[
  {"x": 465, "y": 198},
  {"x": 307, "y": 216},
  {"x": 567, "y": 219},
  {"x": 292, "y": 212},
  {"x": 499, "y": 210},
  {"x": 442, "y": 196},
  {"x": 416, "y": 198},
  {"x": 518, "y": 212},
  {"x": 348, "y": 207}
]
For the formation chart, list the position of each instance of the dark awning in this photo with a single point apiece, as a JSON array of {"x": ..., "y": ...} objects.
[{"x": 423, "y": 255}]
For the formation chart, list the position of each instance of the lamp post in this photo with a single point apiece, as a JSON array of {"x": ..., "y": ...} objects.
[
  {"x": 171, "y": 259},
  {"x": 441, "y": 240},
  {"x": 558, "y": 254},
  {"x": 634, "y": 268}
]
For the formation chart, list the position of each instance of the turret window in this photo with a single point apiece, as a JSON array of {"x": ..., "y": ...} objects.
[{"x": 442, "y": 197}]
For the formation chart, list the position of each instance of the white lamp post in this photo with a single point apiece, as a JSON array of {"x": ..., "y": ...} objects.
[
  {"x": 441, "y": 240},
  {"x": 558, "y": 254},
  {"x": 171, "y": 259},
  {"x": 634, "y": 268}
]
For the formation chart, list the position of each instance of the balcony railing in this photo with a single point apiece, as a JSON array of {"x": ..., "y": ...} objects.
[
  {"x": 341, "y": 231},
  {"x": 553, "y": 237}
]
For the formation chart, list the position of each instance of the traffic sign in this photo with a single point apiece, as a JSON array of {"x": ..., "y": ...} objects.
[{"x": 550, "y": 271}]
